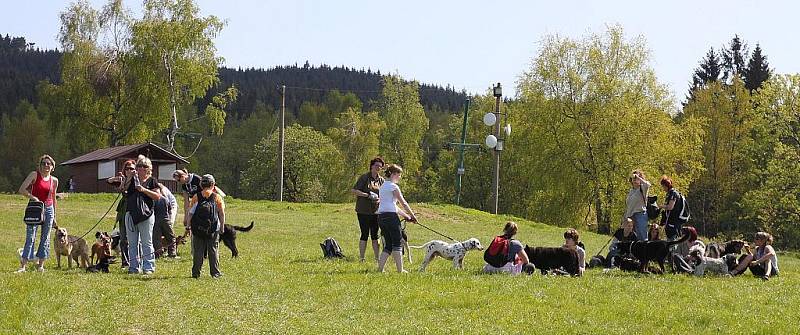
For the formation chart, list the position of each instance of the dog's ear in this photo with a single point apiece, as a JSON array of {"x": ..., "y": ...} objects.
[{"x": 98, "y": 234}]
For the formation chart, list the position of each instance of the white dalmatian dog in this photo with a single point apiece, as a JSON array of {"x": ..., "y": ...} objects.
[
  {"x": 707, "y": 264},
  {"x": 451, "y": 251}
]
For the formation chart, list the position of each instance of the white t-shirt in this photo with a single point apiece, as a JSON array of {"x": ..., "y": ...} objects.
[{"x": 388, "y": 203}]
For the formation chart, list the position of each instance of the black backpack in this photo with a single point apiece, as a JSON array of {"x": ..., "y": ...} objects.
[
  {"x": 331, "y": 249},
  {"x": 204, "y": 219},
  {"x": 682, "y": 208}
]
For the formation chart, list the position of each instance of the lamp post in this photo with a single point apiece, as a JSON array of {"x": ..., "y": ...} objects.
[{"x": 494, "y": 141}]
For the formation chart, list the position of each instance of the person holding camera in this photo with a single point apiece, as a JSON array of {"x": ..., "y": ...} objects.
[
  {"x": 636, "y": 203},
  {"x": 142, "y": 191},
  {"x": 366, "y": 192},
  {"x": 39, "y": 186}
]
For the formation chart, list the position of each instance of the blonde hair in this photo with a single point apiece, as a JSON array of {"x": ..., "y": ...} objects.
[
  {"x": 144, "y": 161},
  {"x": 180, "y": 173},
  {"x": 42, "y": 159},
  {"x": 510, "y": 229}
]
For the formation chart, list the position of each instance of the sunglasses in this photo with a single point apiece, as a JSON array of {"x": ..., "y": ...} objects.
[
  {"x": 46, "y": 163},
  {"x": 130, "y": 168}
]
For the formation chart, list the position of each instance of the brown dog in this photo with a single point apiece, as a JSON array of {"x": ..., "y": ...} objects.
[
  {"x": 101, "y": 248},
  {"x": 179, "y": 240},
  {"x": 73, "y": 247}
]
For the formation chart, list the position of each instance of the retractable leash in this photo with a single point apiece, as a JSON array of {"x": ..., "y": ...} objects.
[
  {"x": 98, "y": 221},
  {"x": 440, "y": 234},
  {"x": 604, "y": 246}
]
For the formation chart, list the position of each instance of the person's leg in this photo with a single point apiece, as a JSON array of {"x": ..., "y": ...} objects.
[
  {"x": 27, "y": 248},
  {"x": 213, "y": 256},
  {"x": 44, "y": 241},
  {"x": 393, "y": 237},
  {"x": 744, "y": 262},
  {"x": 157, "y": 233},
  {"x": 198, "y": 253},
  {"x": 373, "y": 232},
  {"x": 387, "y": 249},
  {"x": 640, "y": 224},
  {"x": 169, "y": 237},
  {"x": 680, "y": 265},
  {"x": 123, "y": 239},
  {"x": 363, "y": 226},
  {"x": 146, "y": 234},
  {"x": 134, "y": 261}
]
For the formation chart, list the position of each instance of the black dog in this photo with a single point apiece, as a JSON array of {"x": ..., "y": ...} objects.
[
  {"x": 228, "y": 237},
  {"x": 646, "y": 251},
  {"x": 717, "y": 250},
  {"x": 556, "y": 259}
]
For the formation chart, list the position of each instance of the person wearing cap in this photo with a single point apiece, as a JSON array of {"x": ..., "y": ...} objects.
[{"x": 202, "y": 245}]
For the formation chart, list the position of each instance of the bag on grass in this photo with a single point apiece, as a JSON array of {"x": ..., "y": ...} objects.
[{"x": 331, "y": 249}]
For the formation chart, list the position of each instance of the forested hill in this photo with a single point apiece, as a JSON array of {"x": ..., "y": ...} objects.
[{"x": 22, "y": 67}]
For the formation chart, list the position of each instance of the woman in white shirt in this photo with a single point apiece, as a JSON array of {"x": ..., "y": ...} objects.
[{"x": 389, "y": 217}]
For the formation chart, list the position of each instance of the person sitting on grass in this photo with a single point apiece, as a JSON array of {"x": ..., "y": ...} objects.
[
  {"x": 625, "y": 233},
  {"x": 680, "y": 259},
  {"x": 571, "y": 241},
  {"x": 764, "y": 263},
  {"x": 517, "y": 259}
]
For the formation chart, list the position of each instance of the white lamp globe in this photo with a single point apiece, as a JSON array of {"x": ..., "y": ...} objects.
[
  {"x": 489, "y": 119},
  {"x": 491, "y": 141}
]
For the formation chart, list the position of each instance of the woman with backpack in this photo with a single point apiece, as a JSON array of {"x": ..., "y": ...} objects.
[
  {"x": 672, "y": 209},
  {"x": 206, "y": 218},
  {"x": 190, "y": 185},
  {"x": 636, "y": 203},
  {"x": 514, "y": 257},
  {"x": 389, "y": 217},
  {"x": 366, "y": 192},
  {"x": 142, "y": 191},
  {"x": 39, "y": 186}
]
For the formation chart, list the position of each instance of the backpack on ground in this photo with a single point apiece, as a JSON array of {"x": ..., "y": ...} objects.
[
  {"x": 331, "y": 248},
  {"x": 497, "y": 253},
  {"x": 204, "y": 219}
]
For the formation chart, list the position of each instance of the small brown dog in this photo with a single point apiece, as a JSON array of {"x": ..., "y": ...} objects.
[
  {"x": 73, "y": 247},
  {"x": 653, "y": 233},
  {"x": 179, "y": 240},
  {"x": 101, "y": 248}
]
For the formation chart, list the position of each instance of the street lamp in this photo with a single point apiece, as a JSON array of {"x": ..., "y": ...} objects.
[{"x": 494, "y": 141}]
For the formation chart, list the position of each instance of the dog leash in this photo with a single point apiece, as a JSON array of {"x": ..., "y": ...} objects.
[
  {"x": 440, "y": 234},
  {"x": 98, "y": 221}
]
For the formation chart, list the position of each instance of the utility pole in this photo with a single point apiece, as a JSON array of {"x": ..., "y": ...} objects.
[
  {"x": 498, "y": 94},
  {"x": 281, "y": 143}
]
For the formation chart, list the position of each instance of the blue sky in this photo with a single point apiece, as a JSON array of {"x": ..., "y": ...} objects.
[{"x": 467, "y": 44}]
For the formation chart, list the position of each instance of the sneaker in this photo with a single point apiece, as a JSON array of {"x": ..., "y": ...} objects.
[
  {"x": 215, "y": 276},
  {"x": 174, "y": 256},
  {"x": 20, "y": 270},
  {"x": 148, "y": 272},
  {"x": 40, "y": 269}
]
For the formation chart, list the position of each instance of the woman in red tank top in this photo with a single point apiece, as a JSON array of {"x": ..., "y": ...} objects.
[{"x": 40, "y": 185}]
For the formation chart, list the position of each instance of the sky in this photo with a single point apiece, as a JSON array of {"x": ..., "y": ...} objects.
[{"x": 465, "y": 44}]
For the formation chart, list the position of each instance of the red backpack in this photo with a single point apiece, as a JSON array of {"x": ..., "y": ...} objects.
[{"x": 497, "y": 253}]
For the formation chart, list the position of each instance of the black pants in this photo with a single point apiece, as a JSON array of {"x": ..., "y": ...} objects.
[
  {"x": 163, "y": 228},
  {"x": 123, "y": 238},
  {"x": 390, "y": 226},
  {"x": 202, "y": 247},
  {"x": 369, "y": 226}
]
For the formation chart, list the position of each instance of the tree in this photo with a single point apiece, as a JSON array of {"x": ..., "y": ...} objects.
[
  {"x": 733, "y": 59},
  {"x": 406, "y": 125},
  {"x": 312, "y": 168},
  {"x": 773, "y": 202},
  {"x": 757, "y": 71},
  {"x": 709, "y": 70},
  {"x": 357, "y": 136},
  {"x": 594, "y": 111},
  {"x": 177, "y": 54}
]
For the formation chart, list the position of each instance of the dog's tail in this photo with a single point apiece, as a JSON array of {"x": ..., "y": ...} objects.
[
  {"x": 244, "y": 229},
  {"x": 681, "y": 240},
  {"x": 421, "y": 246}
]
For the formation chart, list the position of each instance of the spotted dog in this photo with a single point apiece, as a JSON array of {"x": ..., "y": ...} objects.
[
  {"x": 712, "y": 265},
  {"x": 449, "y": 251}
]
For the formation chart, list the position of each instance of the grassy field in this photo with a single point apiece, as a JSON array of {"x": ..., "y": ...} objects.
[{"x": 281, "y": 284}]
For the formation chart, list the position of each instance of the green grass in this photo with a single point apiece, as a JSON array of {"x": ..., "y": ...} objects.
[{"x": 281, "y": 284}]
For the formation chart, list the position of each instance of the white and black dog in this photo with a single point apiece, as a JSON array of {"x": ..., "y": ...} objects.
[
  {"x": 717, "y": 266},
  {"x": 451, "y": 251}
]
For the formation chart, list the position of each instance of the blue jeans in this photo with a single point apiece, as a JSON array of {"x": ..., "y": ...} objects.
[
  {"x": 140, "y": 233},
  {"x": 640, "y": 225},
  {"x": 44, "y": 242}
]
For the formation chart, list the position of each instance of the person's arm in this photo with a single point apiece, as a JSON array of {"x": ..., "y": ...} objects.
[
  {"x": 523, "y": 256},
  {"x": 23, "y": 189},
  {"x": 669, "y": 206},
  {"x": 767, "y": 256},
  {"x": 173, "y": 205},
  {"x": 221, "y": 214},
  {"x": 399, "y": 196},
  {"x": 356, "y": 190},
  {"x": 148, "y": 192},
  {"x": 55, "y": 200},
  {"x": 186, "y": 205}
]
